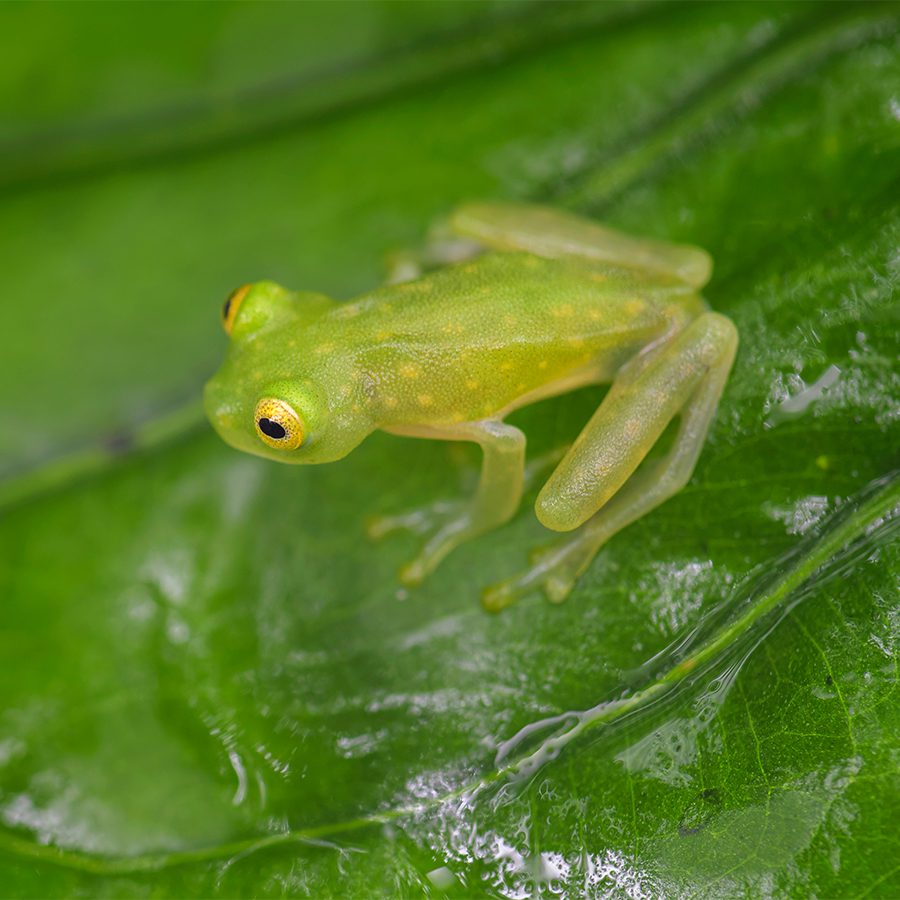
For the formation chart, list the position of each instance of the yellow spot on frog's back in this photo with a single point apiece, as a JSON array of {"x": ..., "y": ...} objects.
[
  {"x": 348, "y": 311},
  {"x": 543, "y": 364},
  {"x": 506, "y": 366},
  {"x": 509, "y": 320},
  {"x": 472, "y": 384},
  {"x": 598, "y": 276},
  {"x": 635, "y": 307},
  {"x": 595, "y": 315},
  {"x": 425, "y": 400},
  {"x": 563, "y": 311},
  {"x": 389, "y": 402},
  {"x": 382, "y": 334},
  {"x": 409, "y": 370},
  {"x": 326, "y": 347},
  {"x": 576, "y": 341}
]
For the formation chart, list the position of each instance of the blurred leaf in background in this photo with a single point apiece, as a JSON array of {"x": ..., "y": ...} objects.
[{"x": 211, "y": 684}]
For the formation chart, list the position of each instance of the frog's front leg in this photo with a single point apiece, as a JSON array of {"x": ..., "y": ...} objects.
[
  {"x": 451, "y": 523},
  {"x": 595, "y": 491}
]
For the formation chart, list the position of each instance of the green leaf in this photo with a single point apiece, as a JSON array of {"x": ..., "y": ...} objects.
[{"x": 212, "y": 684}]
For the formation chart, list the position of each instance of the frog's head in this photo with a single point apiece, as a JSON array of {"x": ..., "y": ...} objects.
[{"x": 268, "y": 398}]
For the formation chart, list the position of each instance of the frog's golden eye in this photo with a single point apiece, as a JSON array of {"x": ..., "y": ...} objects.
[
  {"x": 278, "y": 424},
  {"x": 232, "y": 305}
]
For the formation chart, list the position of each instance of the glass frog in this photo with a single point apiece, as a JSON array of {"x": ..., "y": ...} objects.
[{"x": 505, "y": 305}]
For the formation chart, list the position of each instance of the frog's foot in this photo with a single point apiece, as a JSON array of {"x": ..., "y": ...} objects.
[
  {"x": 554, "y": 570},
  {"x": 445, "y": 524}
]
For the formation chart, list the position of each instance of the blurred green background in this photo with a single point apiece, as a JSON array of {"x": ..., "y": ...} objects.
[{"x": 211, "y": 685}]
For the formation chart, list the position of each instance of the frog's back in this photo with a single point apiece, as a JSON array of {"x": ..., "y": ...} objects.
[
  {"x": 471, "y": 340},
  {"x": 502, "y": 297}
]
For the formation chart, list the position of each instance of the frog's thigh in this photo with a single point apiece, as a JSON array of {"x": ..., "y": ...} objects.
[
  {"x": 551, "y": 232},
  {"x": 494, "y": 502},
  {"x": 585, "y": 489}
]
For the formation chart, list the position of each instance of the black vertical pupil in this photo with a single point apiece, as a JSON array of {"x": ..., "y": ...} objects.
[
  {"x": 227, "y": 306},
  {"x": 271, "y": 429}
]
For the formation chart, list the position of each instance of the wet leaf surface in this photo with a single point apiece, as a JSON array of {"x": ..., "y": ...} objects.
[{"x": 212, "y": 683}]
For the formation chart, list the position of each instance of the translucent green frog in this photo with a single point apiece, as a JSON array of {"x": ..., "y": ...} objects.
[{"x": 506, "y": 305}]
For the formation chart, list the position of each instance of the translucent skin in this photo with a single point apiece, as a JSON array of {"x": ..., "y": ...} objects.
[{"x": 530, "y": 302}]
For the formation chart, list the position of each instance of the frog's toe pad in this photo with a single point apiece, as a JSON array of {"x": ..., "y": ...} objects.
[{"x": 413, "y": 573}]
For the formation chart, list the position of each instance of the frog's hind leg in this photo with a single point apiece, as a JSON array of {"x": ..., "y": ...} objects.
[
  {"x": 556, "y": 233},
  {"x": 450, "y": 523},
  {"x": 595, "y": 490}
]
